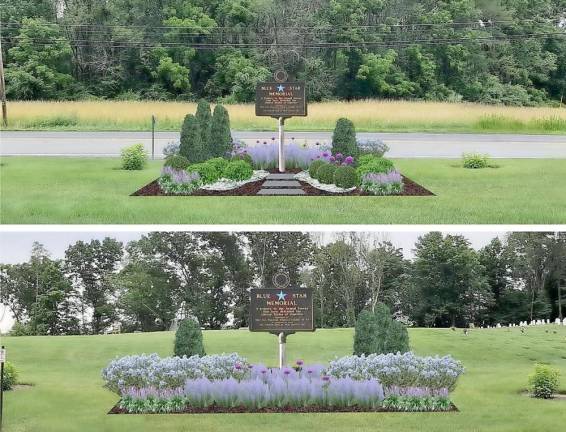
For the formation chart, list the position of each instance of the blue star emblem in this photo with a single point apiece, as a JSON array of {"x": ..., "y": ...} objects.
[
  {"x": 280, "y": 88},
  {"x": 281, "y": 295}
]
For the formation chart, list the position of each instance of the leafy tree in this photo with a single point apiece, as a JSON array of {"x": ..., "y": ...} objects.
[
  {"x": 191, "y": 145},
  {"x": 188, "y": 339},
  {"x": 204, "y": 119},
  {"x": 384, "y": 77},
  {"x": 451, "y": 279},
  {"x": 39, "y": 71},
  {"x": 146, "y": 296},
  {"x": 90, "y": 267},
  {"x": 344, "y": 138},
  {"x": 220, "y": 133},
  {"x": 378, "y": 333}
]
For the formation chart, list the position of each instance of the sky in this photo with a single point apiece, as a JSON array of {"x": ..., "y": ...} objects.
[{"x": 15, "y": 246}]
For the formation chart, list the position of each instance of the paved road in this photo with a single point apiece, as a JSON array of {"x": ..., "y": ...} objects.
[{"x": 412, "y": 145}]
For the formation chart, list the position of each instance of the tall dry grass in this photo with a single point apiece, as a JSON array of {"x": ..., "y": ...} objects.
[{"x": 368, "y": 115}]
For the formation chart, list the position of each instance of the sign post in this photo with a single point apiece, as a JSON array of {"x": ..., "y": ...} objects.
[
  {"x": 281, "y": 311},
  {"x": 281, "y": 100},
  {"x": 2, "y": 360}
]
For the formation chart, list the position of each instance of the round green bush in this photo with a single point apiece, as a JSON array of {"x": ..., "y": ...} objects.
[
  {"x": 379, "y": 165},
  {"x": 238, "y": 170},
  {"x": 244, "y": 157},
  {"x": 345, "y": 177},
  {"x": 188, "y": 339},
  {"x": 544, "y": 381},
  {"x": 313, "y": 168},
  {"x": 10, "y": 376},
  {"x": 177, "y": 161},
  {"x": 134, "y": 157},
  {"x": 207, "y": 171},
  {"x": 325, "y": 173}
]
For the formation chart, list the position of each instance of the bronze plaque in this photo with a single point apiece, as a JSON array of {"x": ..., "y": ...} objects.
[
  {"x": 285, "y": 99},
  {"x": 281, "y": 310}
]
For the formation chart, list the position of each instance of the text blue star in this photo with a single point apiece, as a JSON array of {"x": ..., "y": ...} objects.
[
  {"x": 281, "y": 295},
  {"x": 280, "y": 88}
]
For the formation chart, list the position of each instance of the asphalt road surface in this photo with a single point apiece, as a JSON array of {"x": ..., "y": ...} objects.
[{"x": 402, "y": 145}]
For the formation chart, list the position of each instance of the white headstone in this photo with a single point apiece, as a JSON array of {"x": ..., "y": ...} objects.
[
  {"x": 557, "y": 321},
  {"x": 498, "y": 325},
  {"x": 564, "y": 321}
]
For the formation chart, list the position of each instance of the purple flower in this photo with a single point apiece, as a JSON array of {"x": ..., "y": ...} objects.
[
  {"x": 339, "y": 156},
  {"x": 237, "y": 366},
  {"x": 326, "y": 378},
  {"x": 332, "y": 159},
  {"x": 300, "y": 362},
  {"x": 349, "y": 160}
]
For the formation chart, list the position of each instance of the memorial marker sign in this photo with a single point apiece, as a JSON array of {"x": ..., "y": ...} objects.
[
  {"x": 281, "y": 310},
  {"x": 281, "y": 99}
]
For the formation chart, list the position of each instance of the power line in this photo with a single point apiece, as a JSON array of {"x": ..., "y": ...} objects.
[{"x": 319, "y": 45}]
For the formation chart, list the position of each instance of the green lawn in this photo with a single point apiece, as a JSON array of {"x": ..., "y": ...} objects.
[
  {"x": 95, "y": 191},
  {"x": 67, "y": 392}
]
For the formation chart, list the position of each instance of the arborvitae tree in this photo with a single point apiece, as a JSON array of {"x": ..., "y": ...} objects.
[
  {"x": 365, "y": 333},
  {"x": 344, "y": 138},
  {"x": 191, "y": 145},
  {"x": 379, "y": 333},
  {"x": 188, "y": 339},
  {"x": 220, "y": 135},
  {"x": 204, "y": 120}
]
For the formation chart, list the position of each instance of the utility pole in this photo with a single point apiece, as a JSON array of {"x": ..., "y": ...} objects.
[{"x": 2, "y": 84}]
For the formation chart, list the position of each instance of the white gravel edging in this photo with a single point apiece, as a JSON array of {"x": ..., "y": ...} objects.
[
  {"x": 304, "y": 176},
  {"x": 225, "y": 184}
]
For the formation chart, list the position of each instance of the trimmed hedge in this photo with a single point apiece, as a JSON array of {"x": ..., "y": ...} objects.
[
  {"x": 345, "y": 177},
  {"x": 325, "y": 174},
  {"x": 314, "y": 166}
]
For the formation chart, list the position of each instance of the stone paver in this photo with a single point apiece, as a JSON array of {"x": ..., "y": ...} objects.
[
  {"x": 281, "y": 183},
  {"x": 281, "y": 192},
  {"x": 280, "y": 176}
]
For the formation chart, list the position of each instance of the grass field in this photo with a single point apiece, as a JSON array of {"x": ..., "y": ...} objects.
[
  {"x": 95, "y": 191},
  {"x": 369, "y": 116},
  {"x": 67, "y": 392}
]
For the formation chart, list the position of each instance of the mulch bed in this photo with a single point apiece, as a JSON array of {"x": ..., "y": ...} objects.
[
  {"x": 251, "y": 189},
  {"x": 213, "y": 409}
]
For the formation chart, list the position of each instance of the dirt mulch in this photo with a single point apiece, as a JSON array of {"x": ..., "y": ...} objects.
[
  {"x": 213, "y": 409},
  {"x": 251, "y": 189}
]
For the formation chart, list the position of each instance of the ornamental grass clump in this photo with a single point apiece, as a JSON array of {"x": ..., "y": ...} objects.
[
  {"x": 390, "y": 183},
  {"x": 178, "y": 181}
]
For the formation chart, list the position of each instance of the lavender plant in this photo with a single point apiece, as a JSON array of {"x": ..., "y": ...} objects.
[
  {"x": 383, "y": 184},
  {"x": 176, "y": 181}
]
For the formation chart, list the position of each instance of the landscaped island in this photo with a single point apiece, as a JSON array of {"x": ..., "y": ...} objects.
[
  {"x": 229, "y": 383},
  {"x": 208, "y": 162}
]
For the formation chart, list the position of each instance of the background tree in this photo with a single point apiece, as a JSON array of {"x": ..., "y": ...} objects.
[
  {"x": 452, "y": 281},
  {"x": 90, "y": 266}
]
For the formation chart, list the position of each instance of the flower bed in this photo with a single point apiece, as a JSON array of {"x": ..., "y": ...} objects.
[{"x": 227, "y": 383}]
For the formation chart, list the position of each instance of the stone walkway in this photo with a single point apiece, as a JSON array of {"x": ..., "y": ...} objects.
[{"x": 281, "y": 184}]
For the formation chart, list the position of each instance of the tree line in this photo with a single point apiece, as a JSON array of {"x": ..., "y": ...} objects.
[
  {"x": 148, "y": 284},
  {"x": 503, "y": 51}
]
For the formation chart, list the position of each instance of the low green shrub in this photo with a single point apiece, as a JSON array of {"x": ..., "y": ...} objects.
[
  {"x": 325, "y": 174},
  {"x": 9, "y": 377},
  {"x": 475, "y": 160},
  {"x": 367, "y": 158},
  {"x": 345, "y": 177},
  {"x": 19, "y": 329},
  {"x": 207, "y": 171},
  {"x": 543, "y": 381},
  {"x": 134, "y": 157},
  {"x": 177, "y": 161},
  {"x": 313, "y": 168},
  {"x": 378, "y": 165},
  {"x": 188, "y": 339},
  {"x": 238, "y": 170},
  {"x": 244, "y": 157},
  {"x": 219, "y": 163}
]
